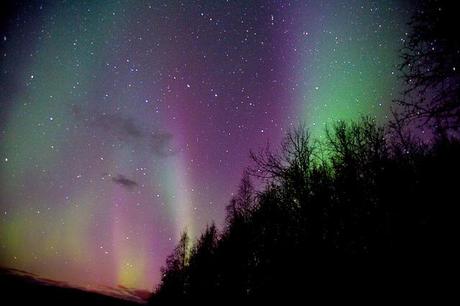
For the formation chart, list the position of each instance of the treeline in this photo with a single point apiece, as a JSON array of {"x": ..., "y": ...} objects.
[
  {"x": 354, "y": 210},
  {"x": 366, "y": 209}
]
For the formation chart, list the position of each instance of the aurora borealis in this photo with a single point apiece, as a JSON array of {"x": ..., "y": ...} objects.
[{"x": 124, "y": 123}]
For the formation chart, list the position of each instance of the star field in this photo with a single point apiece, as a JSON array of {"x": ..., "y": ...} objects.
[{"x": 124, "y": 123}]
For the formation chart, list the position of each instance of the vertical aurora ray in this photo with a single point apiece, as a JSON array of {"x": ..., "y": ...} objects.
[
  {"x": 129, "y": 254},
  {"x": 76, "y": 218},
  {"x": 125, "y": 123},
  {"x": 349, "y": 62}
]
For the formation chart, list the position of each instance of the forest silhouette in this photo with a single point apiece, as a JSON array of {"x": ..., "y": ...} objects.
[{"x": 367, "y": 208}]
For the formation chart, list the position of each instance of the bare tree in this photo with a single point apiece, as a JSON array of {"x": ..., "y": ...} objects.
[
  {"x": 430, "y": 68},
  {"x": 294, "y": 157}
]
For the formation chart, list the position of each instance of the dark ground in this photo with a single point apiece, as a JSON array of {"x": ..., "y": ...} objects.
[{"x": 19, "y": 288}]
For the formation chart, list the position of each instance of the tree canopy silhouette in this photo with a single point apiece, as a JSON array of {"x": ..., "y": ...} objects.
[
  {"x": 355, "y": 217},
  {"x": 359, "y": 211},
  {"x": 431, "y": 66}
]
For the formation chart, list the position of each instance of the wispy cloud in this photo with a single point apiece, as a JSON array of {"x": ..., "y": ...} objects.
[
  {"x": 124, "y": 181},
  {"x": 127, "y": 129}
]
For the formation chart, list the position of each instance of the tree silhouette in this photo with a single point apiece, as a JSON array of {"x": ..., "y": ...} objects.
[
  {"x": 202, "y": 267},
  {"x": 430, "y": 67},
  {"x": 174, "y": 279},
  {"x": 367, "y": 209},
  {"x": 241, "y": 204},
  {"x": 361, "y": 216}
]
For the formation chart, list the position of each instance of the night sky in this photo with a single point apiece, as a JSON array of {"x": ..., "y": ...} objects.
[{"x": 124, "y": 123}]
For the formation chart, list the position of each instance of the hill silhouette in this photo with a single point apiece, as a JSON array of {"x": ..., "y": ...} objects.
[{"x": 23, "y": 288}]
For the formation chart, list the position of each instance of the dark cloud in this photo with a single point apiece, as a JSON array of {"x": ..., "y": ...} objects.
[
  {"x": 161, "y": 144},
  {"x": 124, "y": 181},
  {"x": 122, "y": 127},
  {"x": 126, "y": 129}
]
